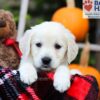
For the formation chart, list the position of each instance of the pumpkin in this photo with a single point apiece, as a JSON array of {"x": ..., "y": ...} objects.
[
  {"x": 72, "y": 19},
  {"x": 83, "y": 66},
  {"x": 88, "y": 70}
]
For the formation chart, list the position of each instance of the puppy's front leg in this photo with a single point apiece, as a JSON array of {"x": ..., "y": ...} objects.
[
  {"x": 27, "y": 71},
  {"x": 62, "y": 78}
]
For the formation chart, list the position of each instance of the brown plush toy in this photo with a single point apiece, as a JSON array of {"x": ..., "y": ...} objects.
[{"x": 8, "y": 55}]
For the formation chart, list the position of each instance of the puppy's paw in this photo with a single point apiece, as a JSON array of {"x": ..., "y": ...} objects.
[
  {"x": 28, "y": 76},
  {"x": 75, "y": 71},
  {"x": 61, "y": 84},
  {"x": 62, "y": 79}
]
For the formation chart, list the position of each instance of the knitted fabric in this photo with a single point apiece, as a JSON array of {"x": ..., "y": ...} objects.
[{"x": 11, "y": 88}]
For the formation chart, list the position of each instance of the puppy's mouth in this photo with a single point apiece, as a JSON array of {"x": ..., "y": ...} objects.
[{"x": 46, "y": 68}]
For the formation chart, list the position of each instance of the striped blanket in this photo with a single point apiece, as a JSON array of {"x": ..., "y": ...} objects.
[{"x": 11, "y": 88}]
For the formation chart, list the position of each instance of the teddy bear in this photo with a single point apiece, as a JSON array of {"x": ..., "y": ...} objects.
[{"x": 8, "y": 55}]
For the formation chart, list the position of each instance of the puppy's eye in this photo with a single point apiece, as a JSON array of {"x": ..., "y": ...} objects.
[
  {"x": 38, "y": 44},
  {"x": 57, "y": 46}
]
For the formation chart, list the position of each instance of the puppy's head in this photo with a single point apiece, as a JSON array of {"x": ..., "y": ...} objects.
[{"x": 49, "y": 44}]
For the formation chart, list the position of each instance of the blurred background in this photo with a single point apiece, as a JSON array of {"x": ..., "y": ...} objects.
[{"x": 43, "y": 10}]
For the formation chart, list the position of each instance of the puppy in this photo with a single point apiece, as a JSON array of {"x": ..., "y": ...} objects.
[{"x": 47, "y": 46}]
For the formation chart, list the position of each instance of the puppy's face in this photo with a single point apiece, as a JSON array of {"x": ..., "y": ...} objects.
[
  {"x": 49, "y": 45},
  {"x": 48, "y": 49}
]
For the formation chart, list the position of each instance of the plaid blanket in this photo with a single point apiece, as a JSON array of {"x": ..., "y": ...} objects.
[{"x": 11, "y": 88}]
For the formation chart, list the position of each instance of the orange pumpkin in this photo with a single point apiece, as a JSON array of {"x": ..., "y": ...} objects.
[
  {"x": 72, "y": 19},
  {"x": 83, "y": 66},
  {"x": 89, "y": 70}
]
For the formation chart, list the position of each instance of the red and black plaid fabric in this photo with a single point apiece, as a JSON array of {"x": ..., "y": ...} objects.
[{"x": 11, "y": 88}]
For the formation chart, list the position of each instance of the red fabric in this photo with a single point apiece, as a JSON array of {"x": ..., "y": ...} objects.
[
  {"x": 79, "y": 88},
  {"x": 13, "y": 43},
  {"x": 32, "y": 92},
  {"x": 50, "y": 75},
  {"x": 11, "y": 88},
  {"x": 23, "y": 97}
]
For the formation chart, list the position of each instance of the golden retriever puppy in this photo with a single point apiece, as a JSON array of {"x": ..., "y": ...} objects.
[{"x": 47, "y": 46}]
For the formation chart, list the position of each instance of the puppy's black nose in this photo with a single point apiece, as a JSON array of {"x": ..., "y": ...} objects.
[{"x": 46, "y": 60}]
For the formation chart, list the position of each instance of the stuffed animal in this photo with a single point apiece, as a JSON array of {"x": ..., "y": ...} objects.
[{"x": 8, "y": 54}]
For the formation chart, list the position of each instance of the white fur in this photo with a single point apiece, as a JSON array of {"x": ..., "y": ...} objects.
[
  {"x": 75, "y": 71},
  {"x": 48, "y": 34},
  {"x": 28, "y": 73},
  {"x": 62, "y": 78}
]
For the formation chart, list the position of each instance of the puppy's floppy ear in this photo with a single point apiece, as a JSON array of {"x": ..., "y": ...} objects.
[
  {"x": 25, "y": 42},
  {"x": 72, "y": 48}
]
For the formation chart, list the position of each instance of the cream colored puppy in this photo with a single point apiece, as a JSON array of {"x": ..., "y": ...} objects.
[{"x": 47, "y": 46}]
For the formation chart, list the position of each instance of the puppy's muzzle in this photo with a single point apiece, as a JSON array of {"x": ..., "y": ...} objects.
[{"x": 46, "y": 61}]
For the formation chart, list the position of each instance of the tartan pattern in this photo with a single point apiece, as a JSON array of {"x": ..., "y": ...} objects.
[
  {"x": 11, "y": 88},
  {"x": 83, "y": 88}
]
